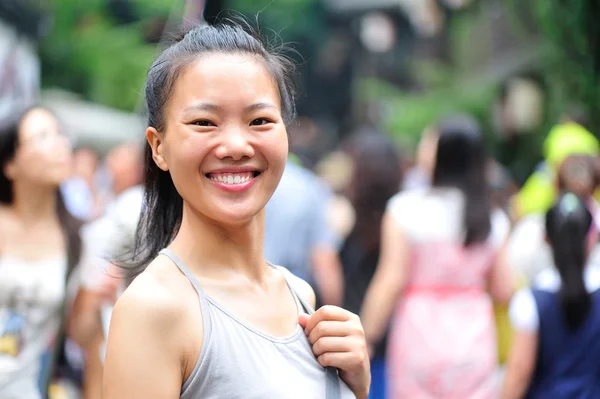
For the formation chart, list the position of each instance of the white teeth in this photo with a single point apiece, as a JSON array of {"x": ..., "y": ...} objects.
[{"x": 234, "y": 178}]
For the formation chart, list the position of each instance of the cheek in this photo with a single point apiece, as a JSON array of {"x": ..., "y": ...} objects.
[
  {"x": 276, "y": 151},
  {"x": 184, "y": 158}
]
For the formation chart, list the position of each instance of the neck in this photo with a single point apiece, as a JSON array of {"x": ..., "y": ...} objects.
[
  {"x": 34, "y": 203},
  {"x": 213, "y": 250}
]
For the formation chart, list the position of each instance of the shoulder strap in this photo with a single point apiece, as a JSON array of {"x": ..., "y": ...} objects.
[
  {"x": 332, "y": 386},
  {"x": 183, "y": 268}
]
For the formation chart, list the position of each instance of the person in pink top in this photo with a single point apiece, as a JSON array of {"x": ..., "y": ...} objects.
[{"x": 439, "y": 263}]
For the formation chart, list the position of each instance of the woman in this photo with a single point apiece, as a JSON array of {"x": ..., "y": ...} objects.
[
  {"x": 557, "y": 323},
  {"x": 436, "y": 262},
  {"x": 208, "y": 317},
  {"x": 39, "y": 246},
  {"x": 376, "y": 178}
]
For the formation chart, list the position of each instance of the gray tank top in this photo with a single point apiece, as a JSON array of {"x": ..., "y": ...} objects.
[{"x": 237, "y": 361}]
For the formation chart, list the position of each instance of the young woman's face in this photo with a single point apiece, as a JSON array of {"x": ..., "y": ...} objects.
[
  {"x": 225, "y": 143},
  {"x": 44, "y": 154}
]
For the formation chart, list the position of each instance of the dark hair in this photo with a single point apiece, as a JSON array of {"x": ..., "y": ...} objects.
[
  {"x": 460, "y": 163},
  {"x": 163, "y": 206},
  {"x": 9, "y": 142},
  {"x": 567, "y": 225},
  {"x": 376, "y": 178}
]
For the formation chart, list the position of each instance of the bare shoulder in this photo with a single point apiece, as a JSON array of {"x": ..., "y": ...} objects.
[
  {"x": 157, "y": 297},
  {"x": 149, "y": 343},
  {"x": 301, "y": 287}
]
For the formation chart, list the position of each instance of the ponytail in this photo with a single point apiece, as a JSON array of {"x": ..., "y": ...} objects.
[{"x": 567, "y": 227}]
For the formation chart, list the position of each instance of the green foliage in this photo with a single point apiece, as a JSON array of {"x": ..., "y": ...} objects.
[
  {"x": 569, "y": 68},
  {"x": 407, "y": 114},
  {"x": 87, "y": 53}
]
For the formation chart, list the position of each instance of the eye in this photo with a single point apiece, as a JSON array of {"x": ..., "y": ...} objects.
[
  {"x": 260, "y": 122},
  {"x": 203, "y": 122}
]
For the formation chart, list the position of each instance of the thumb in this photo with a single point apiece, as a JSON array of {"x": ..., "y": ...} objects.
[{"x": 303, "y": 319}]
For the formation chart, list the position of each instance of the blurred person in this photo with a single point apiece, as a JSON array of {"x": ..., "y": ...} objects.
[
  {"x": 39, "y": 247},
  {"x": 125, "y": 167},
  {"x": 518, "y": 112},
  {"x": 101, "y": 282},
  {"x": 108, "y": 237},
  {"x": 440, "y": 254},
  {"x": 557, "y": 321},
  {"x": 302, "y": 229},
  {"x": 299, "y": 235},
  {"x": 80, "y": 194},
  {"x": 539, "y": 191},
  {"x": 527, "y": 251},
  {"x": 207, "y": 316},
  {"x": 336, "y": 170},
  {"x": 501, "y": 189},
  {"x": 501, "y": 184},
  {"x": 375, "y": 179}
]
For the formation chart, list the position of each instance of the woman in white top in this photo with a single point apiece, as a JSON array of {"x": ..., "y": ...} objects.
[{"x": 39, "y": 245}]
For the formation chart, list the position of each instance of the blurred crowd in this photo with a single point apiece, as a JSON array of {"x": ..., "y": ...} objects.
[{"x": 468, "y": 283}]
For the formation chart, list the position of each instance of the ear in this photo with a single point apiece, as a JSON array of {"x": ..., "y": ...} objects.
[
  {"x": 155, "y": 140},
  {"x": 9, "y": 170}
]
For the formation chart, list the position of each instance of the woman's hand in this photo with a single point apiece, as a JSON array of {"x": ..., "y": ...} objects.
[{"x": 338, "y": 341}]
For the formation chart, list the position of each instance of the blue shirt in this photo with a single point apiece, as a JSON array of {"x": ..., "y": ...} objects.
[{"x": 296, "y": 221}]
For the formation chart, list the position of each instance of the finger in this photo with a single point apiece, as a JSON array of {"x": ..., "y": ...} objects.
[
  {"x": 303, "y": 319},
  {"x": 329, "y": 313},
  {"x": 341, "y": 360},
  {"x": 328, "y": 329},
  {"x": 332, "y": 344}
]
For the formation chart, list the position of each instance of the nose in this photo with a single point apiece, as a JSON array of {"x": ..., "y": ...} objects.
[{"x": 234, "y": 144}]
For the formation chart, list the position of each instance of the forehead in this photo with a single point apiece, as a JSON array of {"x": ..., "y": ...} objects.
[
  {"x": 226, "y": 80},
  {"x": 35, "y": 121}
]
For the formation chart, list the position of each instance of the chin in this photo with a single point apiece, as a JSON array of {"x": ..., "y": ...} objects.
[{"x": 235, "y": 217}]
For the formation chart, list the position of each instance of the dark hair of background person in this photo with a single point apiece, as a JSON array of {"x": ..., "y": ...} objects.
[
  {"x": 163, "y": 206},
  {"x": 461, "y": 163},
  {"x": 567, "y": 225},
  {"x": 376, "y": 178},
  {"x": 9, "y": 143}
]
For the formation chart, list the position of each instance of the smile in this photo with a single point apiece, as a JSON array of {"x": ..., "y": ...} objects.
[
  {"x": 232, "y": 181},
  {"x": 232, "y": 178}
]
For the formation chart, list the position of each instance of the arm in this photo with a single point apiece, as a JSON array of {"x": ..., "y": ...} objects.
[
  {"x": 501, "y": 281},
  {"x": 327, "y": 269},
  {"x": 145, "y": 352},
  {"x": 521, "y": 362},
  {"x": 388, "y": 281},
  {"x": 84, "y": 321}
]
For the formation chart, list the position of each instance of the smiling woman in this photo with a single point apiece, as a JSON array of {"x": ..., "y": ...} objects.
[{"x": 207, "y": 316}]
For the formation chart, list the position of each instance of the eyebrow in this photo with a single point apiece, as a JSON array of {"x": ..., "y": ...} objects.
[{"x": 202, "y": 106}]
